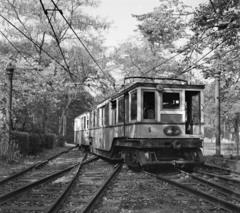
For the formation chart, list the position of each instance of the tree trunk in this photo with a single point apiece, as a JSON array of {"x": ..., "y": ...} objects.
[
  {"x": 44, "y": 114},
  {"x": 63, "y": 119},
  {"x": 236, "y": 134}
]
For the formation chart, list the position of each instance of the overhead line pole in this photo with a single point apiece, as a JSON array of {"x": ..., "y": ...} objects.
[{"x": 217, "y": 113}]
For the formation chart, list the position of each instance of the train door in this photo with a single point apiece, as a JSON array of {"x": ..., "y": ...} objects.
[
  {"x": 85, "y": 130},
  {"x": 193, "y": 112}
]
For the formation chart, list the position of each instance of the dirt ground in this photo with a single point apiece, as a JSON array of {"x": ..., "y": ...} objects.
[{"x": 7, "y": 169}]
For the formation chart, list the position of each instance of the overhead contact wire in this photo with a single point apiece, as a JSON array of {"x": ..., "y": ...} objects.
[
  {"x": 56, "y": 38},
  {"x": 180, "y": 52},
  {"x": 85, "y": 47},
  {"x": 195, "y": 63},
  {"x": 25, "y": 58},
  {"x": 30, "y": 39}
]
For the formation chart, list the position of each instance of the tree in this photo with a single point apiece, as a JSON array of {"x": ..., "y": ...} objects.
[
  {"x": 49, "y": 56},
  {"x": 215, "y": 26}
]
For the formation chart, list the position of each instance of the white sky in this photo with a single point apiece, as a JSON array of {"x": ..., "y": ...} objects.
[{"x": 120, "y": 12}]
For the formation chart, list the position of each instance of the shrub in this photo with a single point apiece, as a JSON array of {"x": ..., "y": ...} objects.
[
  {"x": 60, "y": 140},
  {"x": 49, "y": 141},
  {"x": 43, "y": 140},
  {"x": 20, "y": 141},
  {"x": 34, "y": 143}
]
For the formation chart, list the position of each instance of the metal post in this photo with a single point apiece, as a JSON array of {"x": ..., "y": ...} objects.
[
  {"x": 9, "y": 73},
  {"x": 217, "y": 109}
]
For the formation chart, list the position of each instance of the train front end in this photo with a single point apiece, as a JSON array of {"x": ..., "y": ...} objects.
[{"x": 164, "y": 125}]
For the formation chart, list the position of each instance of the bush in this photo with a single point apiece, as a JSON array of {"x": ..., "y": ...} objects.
[
  {"x": 20, "y": 141},
  {"x": 60, "y": 140},
  {"x": 43, "y": 140},
  {"x": 34, "y": 144},
  {"x": 49, "y": 141}
]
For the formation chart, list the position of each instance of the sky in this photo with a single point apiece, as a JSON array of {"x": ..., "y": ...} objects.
[{"x": 120, "y": 13}]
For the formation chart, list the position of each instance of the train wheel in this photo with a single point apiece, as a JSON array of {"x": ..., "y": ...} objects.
[{"x": 131, "y": 160}]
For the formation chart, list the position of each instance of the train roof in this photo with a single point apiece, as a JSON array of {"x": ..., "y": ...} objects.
[{"x": 155, "y": 84}]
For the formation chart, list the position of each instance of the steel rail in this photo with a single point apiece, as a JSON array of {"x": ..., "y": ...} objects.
[
  {"x": 221, "y": 168},
  {"x": 35, "y": 166},
  {"x": 225, "y": 190},
  {"x": 218, "y": 176},
  {"x": 88, "y": 207},
  {"x": 217, "y": 201},
  {"x": 56, "y": 205},
  {"x": 20, "y": 190}
]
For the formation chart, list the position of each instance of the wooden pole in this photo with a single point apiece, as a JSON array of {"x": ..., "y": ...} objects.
[
  {"x": 217, "y": 110},
  {"x": 9, "y": 73}
]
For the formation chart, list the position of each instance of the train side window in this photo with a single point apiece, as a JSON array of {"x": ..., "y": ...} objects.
[
  {"x": 114, "y": 105},
  {"x": 84, "y": 122},
  {"x": 121, "y": 110},
  {"x": 81, "y": 123},
  {"x": 148, "y": 105},
  {"x": 88, "y": 123},
  {"x": 107, "y": 114},
  {"x": 94, "y": 118},
  {"x": 127, "y": 108},
  {"x": 134, "y": 106},
  {"x": 102, "y": 116},
  {"x": 97, "y": 117},
  {"x": 170, "y": 100}
]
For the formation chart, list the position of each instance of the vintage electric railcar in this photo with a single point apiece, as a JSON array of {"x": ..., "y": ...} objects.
[{"x": 147, "y": 123}]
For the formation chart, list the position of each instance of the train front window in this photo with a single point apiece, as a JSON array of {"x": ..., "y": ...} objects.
[
  {"x": 134, "y": 106},
  {"x": 148, "y": 105},
  {"x": 170, "y": 100}
]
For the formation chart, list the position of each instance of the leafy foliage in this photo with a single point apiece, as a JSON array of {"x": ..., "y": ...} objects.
[
  {"x": 165, "y": 24},
  {"x": 54, "y": 73}
]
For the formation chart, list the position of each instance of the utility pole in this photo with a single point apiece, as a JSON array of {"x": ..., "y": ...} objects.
[
  {"x": 9, "y": 74},
  {"x": 217, "y": 110}
]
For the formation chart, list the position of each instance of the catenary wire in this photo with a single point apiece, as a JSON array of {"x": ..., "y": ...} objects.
[
  {"x": 25, "y": 58},
  {"x": 195, "y": 63},
  {"x": 85, "y": 47},
  {"x": 180, "y": 52},
  {"x": 34, "y": 42},
  {"x": 56, "y": 38}
]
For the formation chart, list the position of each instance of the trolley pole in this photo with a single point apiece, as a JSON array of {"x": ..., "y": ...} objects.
[
  {"x": 217, "y": 109},
  {"x": 9, "y": 73}
]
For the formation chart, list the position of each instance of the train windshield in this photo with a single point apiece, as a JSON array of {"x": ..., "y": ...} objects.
[
  {"x": 171, "y": 100},
  {"x": 134, "y": 105},
  {"x": 149, "y": 105}
]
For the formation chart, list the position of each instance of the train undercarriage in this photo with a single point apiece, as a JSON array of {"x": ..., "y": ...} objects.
[
  {"x": 152, "y": 157},
  {"x": 139, "y": 153}
]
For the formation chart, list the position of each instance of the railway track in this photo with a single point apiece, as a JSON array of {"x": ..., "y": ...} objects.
[
  {"x": 94, "y": 185},
  {"x": 217, "y": 188},
  {"x": 72, "y": 189},
  {"x": 89, "y": 186},
  {"x": 17, "y": 190},
  {"x": 34, "y": 167}
]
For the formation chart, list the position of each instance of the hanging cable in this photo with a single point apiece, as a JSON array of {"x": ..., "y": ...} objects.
[
  {"x": 34, "y": 42},
  {"x": 56, "y": 38},
  {"x": 180, "y": 52},
  {"x": 195, "y": 63},
  {"x": 85, "y": 47},
  {"x": 26, "y": 59}
]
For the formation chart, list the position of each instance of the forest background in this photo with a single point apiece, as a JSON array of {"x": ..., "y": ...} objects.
[{"x": 62, "y": 68}]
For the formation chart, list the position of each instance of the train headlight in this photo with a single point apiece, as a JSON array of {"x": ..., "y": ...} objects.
[
  {"x": 172, "y": 130},
  {"x": 147, "y": 155}
]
